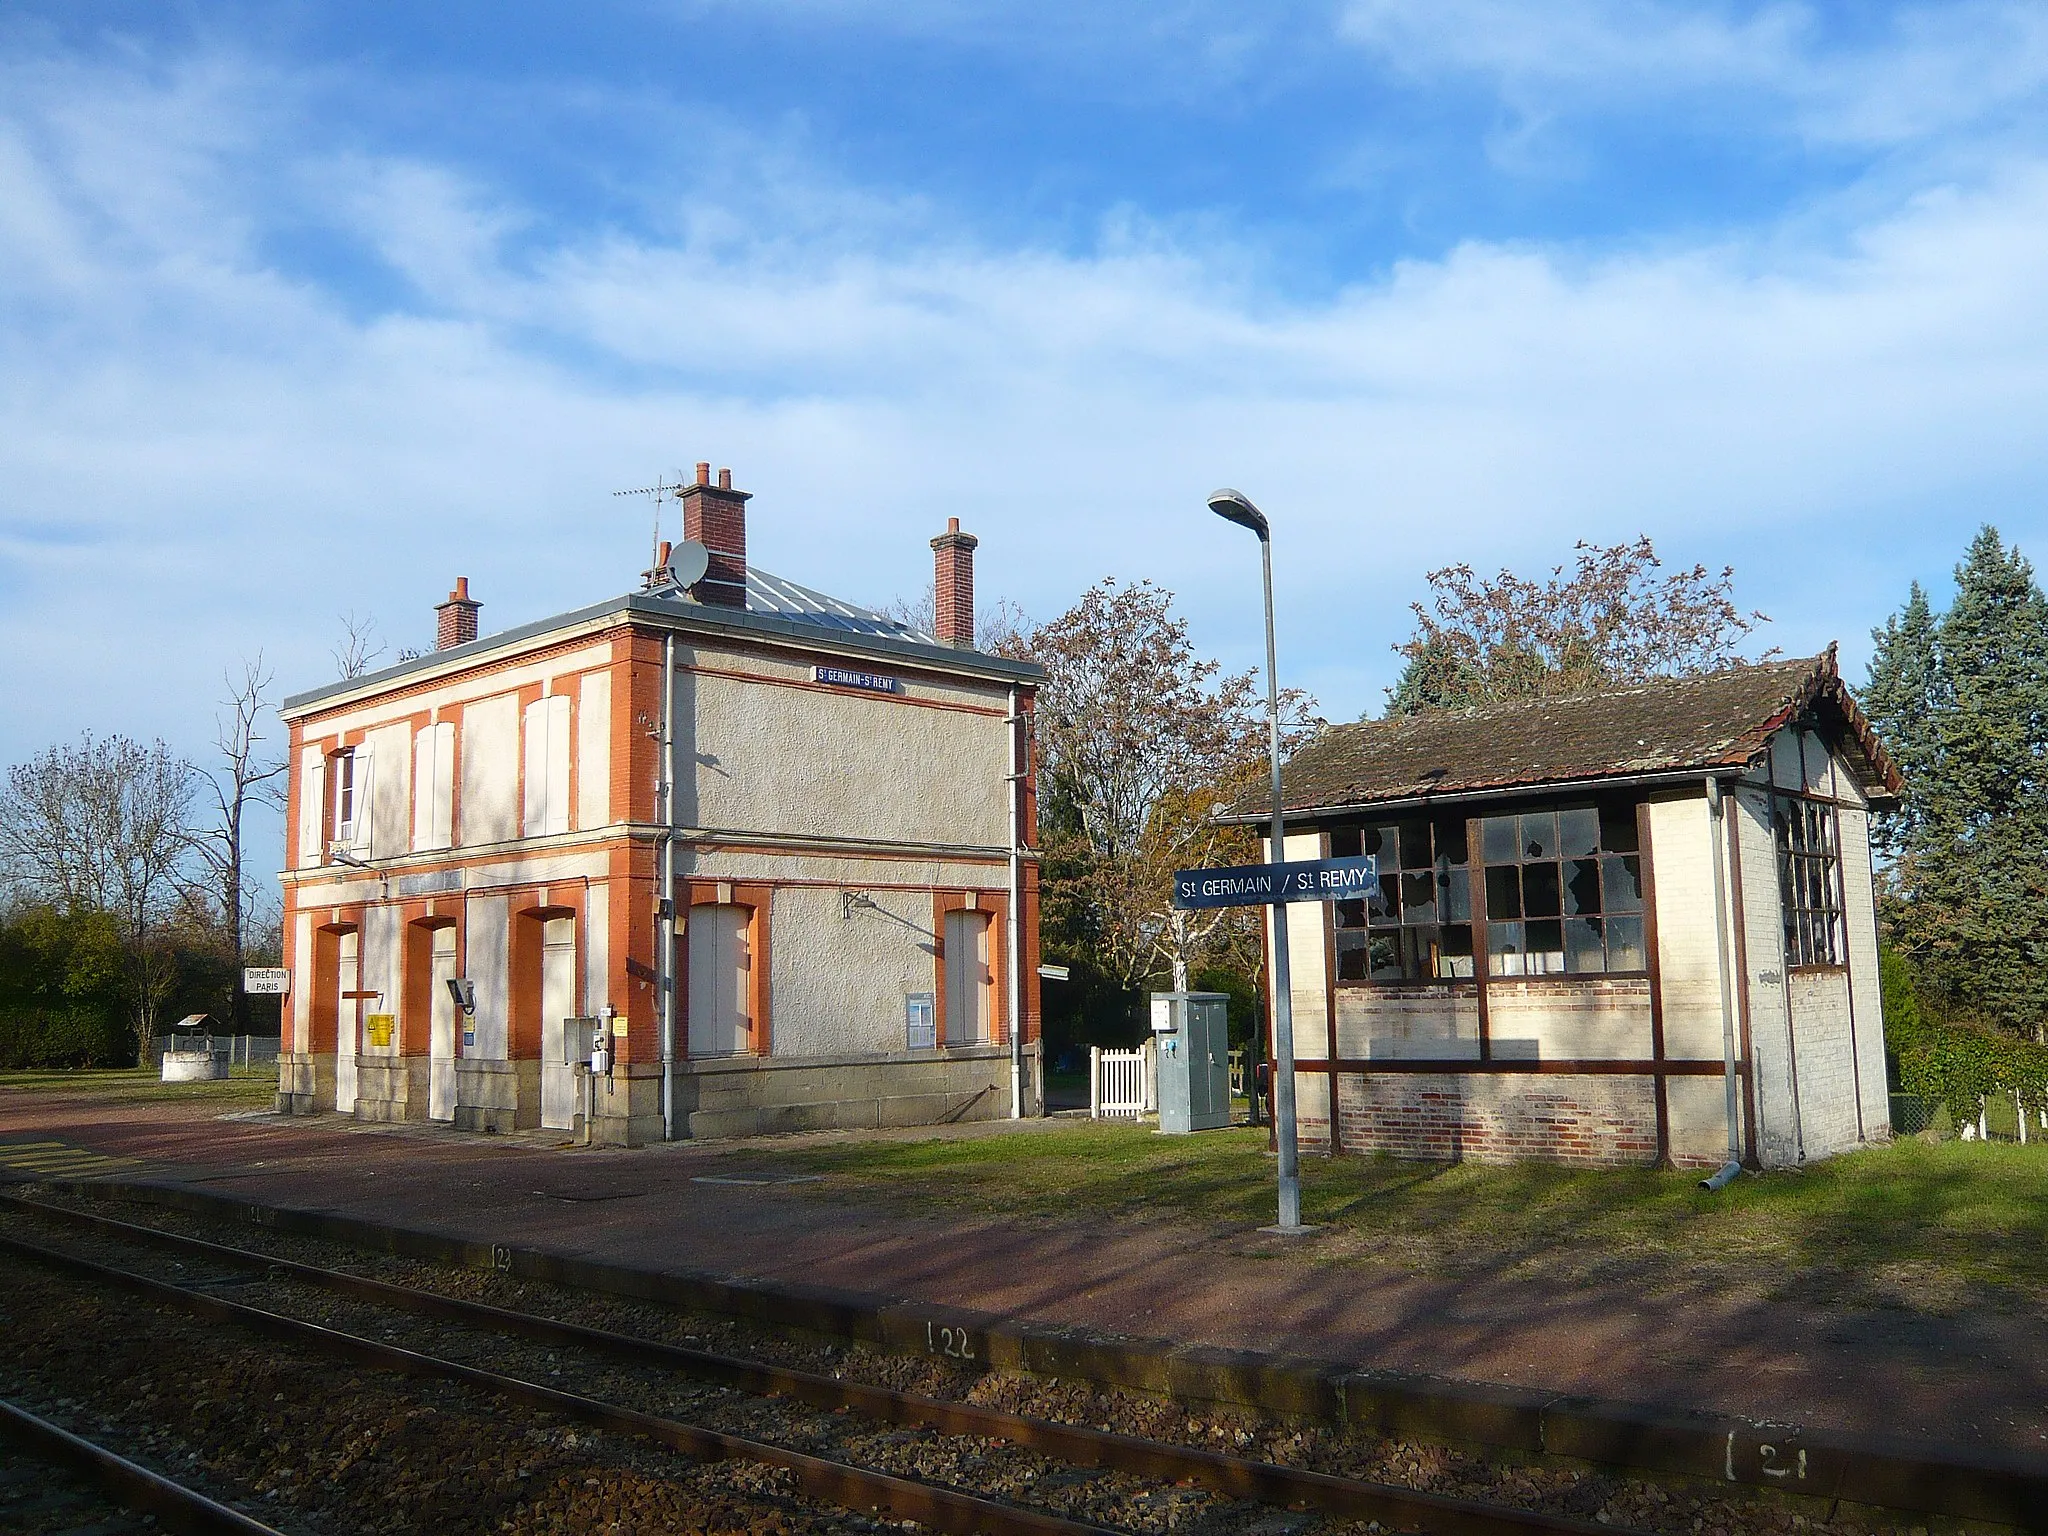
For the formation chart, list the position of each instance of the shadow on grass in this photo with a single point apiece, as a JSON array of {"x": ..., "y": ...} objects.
[{"x": 1913, "y": 1224}]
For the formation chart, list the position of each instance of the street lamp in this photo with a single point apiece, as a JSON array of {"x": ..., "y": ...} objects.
[{"x": 1235, "y": 507}]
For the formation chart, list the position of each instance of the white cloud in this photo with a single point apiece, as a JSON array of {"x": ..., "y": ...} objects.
[
  {"x": 237, "y": 453},
  {"x": 1774, "y": 66}
]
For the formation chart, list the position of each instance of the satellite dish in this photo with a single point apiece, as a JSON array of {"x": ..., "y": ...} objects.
[{"x": 687, "y": 563}]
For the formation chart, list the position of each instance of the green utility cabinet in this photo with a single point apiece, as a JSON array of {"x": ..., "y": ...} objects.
[{"x": 1191, "y": 1032}]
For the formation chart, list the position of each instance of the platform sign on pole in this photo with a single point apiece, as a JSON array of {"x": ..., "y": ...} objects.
[
  {"x": 1261, "y": 885},
  {"x": 266, "y": 981}
]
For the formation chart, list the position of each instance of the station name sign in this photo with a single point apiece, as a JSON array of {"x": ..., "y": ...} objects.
[
  {"x": 846, "y": 677},
  {"x": 1259, "y": 885}
]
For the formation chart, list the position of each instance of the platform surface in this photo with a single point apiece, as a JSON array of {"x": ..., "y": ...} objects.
[{"x": 1975, "y": 1378}]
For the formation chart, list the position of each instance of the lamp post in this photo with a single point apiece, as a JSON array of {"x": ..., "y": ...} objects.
[{"x": 1234, "y": 506}]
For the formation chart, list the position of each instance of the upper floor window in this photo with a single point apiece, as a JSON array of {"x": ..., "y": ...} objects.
[
  {"x": 1563, "y": 891},
  {"x": 1809, "y": 881},
  {"x": 342, "y": 795},
  {"x": 1419, "y": 928}
]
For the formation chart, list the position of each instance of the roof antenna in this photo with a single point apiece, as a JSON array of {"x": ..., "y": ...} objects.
[{"x": 658, "y": 490}]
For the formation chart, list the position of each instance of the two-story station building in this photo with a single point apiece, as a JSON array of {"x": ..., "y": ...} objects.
[{"x": 775, "y": 847}]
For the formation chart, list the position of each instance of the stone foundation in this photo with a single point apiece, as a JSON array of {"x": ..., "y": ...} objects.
[
  {"x": 305, "y": 1083},
  {"x": 391, "y": 1088},
  {"x": 751, "y": 1096},
  {"x": 497, "y": 1095},
  {"x": 1603, "y": 1121}
]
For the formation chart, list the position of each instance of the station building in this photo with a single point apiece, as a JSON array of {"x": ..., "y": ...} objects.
[
  {"x": 774, "y": 846},
  {"x": 1594, "y": 912}
]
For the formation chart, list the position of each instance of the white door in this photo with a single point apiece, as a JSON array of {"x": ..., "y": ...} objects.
[
  {"x": 721, "y": 974},
  {"x": 441, "y": 1054},
  {"x": 967, "y": 978},
  {"x": 557, "y": 1004},
  {"x": 348, "y": 1024}
]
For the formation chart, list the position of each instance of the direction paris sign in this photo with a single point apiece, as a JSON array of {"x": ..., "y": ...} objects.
[
  {"x": 266, "y": 980},
  {"x": 1260, "y": 885}
]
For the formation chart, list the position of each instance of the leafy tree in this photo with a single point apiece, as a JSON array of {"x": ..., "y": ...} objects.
[
  {"x": 1613, "y": 621},
  {"x": 1962, "y": 698},
  {"x": 62, "y": 988},
  {"x": 104, "y": 826},
  {"x": 1142, "y": 742}
]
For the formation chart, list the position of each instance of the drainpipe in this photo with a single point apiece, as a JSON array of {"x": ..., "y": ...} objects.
[
  {"x": 1716, "y": 825},
  {"x": 1013, "y": 782},
  {"x": 665, "y": 930}
]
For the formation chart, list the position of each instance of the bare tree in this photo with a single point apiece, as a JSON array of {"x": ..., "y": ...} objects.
[
  {"x": 247, "y": 776},
  {"x": 1612, "y": 622},
  {"x": 1145, "y": 742},
  {"x": 359, "y": 644},
  {"x": 103, "y": 826},
  {"x": 1001, "y": 628}
]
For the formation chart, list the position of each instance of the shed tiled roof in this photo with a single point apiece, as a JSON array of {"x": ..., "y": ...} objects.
[{"x": 1717, "y": 720}]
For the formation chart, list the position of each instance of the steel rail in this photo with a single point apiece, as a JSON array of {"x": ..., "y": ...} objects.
[
  {"x": 1233, "y": 1476},
  {"x": 176, "y": 1507},
  {"x": 834, "y": 1482}
]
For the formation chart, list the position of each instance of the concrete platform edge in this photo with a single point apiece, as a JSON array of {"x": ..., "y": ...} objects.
[{"x": 1781, "y": 1458}]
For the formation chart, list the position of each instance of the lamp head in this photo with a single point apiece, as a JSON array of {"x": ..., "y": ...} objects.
[{"x": 1236, "y": 507}]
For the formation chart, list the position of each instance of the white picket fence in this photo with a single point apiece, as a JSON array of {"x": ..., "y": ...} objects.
[{"x": 1122, "y": 1085}]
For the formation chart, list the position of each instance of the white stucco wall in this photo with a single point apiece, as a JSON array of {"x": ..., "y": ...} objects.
[
  {"x": 1584, "y": 1019},
  {"x": 489, "y": 767},
  {"x": 390, "y": 803},
  {"x": 1394, "y": 1022},
  {"x": 757, "y": 757},
  {"x": 1309, "y": 991},
  {"x": 380, "y": 969},
  {"x": 838, "y": 982},
  {"x": 486, "y": 962},
  {"x": 1778, "y": 1133},
  {"x": 1859, "y": 911}
]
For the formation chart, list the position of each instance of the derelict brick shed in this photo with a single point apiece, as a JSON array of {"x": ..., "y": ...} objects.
[{"x": 1594, "y": 911}]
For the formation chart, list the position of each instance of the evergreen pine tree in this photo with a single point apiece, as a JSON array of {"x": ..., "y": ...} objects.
[
  {"x": 1963, "y": 700},
  {"x": 1902, "y": 698}
]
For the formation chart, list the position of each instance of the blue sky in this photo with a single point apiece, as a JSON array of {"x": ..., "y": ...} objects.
[{"x": 309, "y": 308}]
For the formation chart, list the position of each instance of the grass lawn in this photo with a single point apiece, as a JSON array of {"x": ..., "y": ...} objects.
[
  {"x": 249, "y": 1087},
  {"x": 1925, "y": 1226}
]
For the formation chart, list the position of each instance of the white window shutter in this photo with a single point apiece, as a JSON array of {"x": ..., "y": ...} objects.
[
  {"x": 535, "y": 821},
  {"x": 423, "y": 788},
  {"x": 444, "y": 785},
  {"x": 557, "y": 819},
  {"x": 312, "y": 797},
  {"x": 365, "y": 788}
]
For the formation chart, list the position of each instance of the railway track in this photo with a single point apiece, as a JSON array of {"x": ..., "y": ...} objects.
[
  {"x": 1231, "y": 1479},
  {"x": 168, "y": 1505}
]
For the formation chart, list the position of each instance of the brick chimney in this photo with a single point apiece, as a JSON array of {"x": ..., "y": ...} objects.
[
  {"x": 457, "y": 616},
  {"x": 953, "y": 585},
  {"x": 716, "y": 517}
]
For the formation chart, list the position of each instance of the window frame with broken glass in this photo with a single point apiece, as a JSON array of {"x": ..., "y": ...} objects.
[{"x": 1458, "y": 892}]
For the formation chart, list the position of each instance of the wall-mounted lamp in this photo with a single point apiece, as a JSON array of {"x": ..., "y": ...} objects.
[{"x": 851, "y": 902}]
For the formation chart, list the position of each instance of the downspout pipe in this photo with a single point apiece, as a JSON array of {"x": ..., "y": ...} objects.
[
  {"x": 665, "y": 929},
  {"x": 1013, "y": 783},
  {"x": 1716, "y": 821}
]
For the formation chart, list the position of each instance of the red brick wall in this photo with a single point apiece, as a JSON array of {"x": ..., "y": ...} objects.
[
  {"x": 953, "y": 585},
  {"x": 1609, "y": 1121},
  {"x": 716, "y": 517}
]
